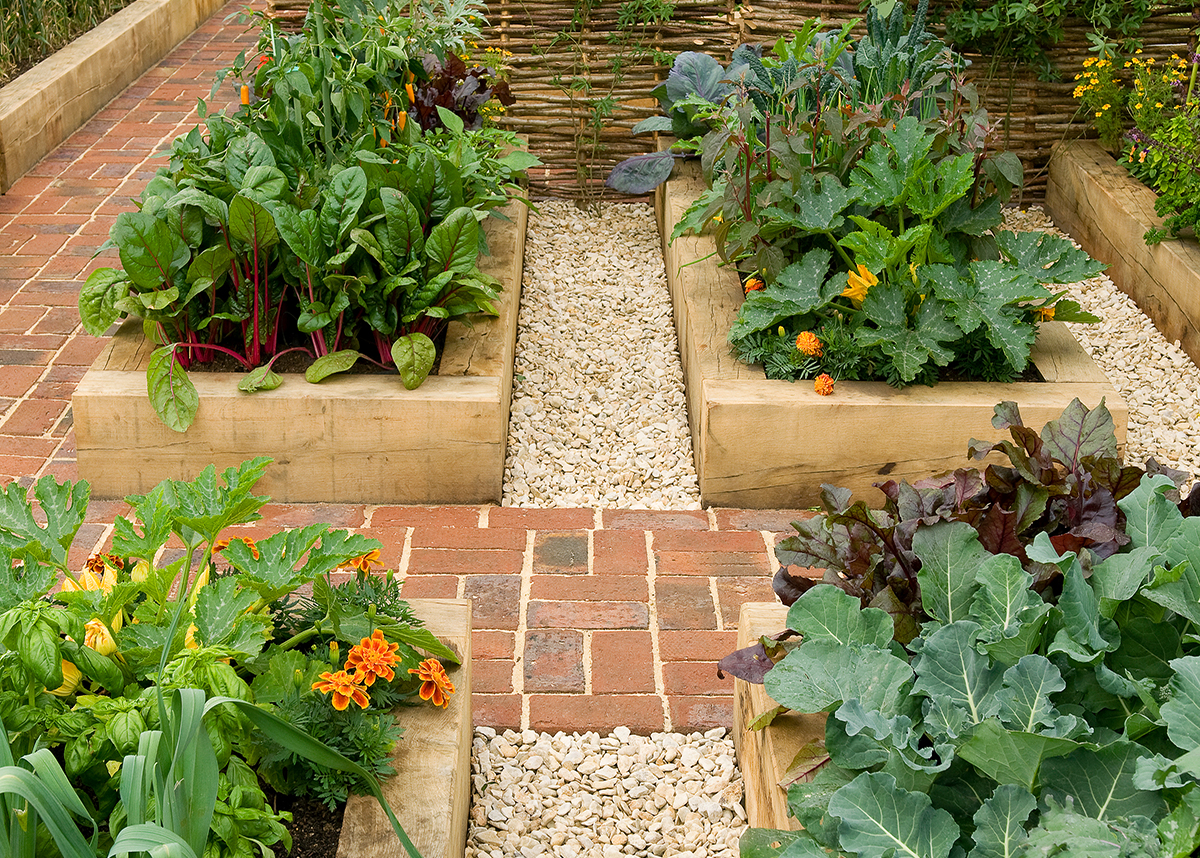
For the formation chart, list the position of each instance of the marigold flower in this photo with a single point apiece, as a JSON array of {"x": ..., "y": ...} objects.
[
  {"x": 364, "y": 562},
  {"x": 859, "y": 282},
  {"x": 373, "y": 657},
  {"x": 753, "y": 283},
  {"x": 823, "y": 384},
  {"x": 344, "y": 688},
  {"x": 808, "y": 343},
  {"x": 435, "y": 685},
  {"x": 72, "y": 676}
]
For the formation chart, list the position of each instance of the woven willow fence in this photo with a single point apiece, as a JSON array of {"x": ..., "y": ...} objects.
[{"x": 1032, "y": 114}]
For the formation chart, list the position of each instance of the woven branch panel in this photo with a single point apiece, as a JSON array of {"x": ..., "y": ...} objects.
[{"x": 1032, "y": 115}]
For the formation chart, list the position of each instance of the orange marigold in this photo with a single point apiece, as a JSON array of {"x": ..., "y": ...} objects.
[
  {"x": 435, "y": 685},
  {"x": 823, "y": 384},
  {"x": 373, "y": 657},
  {"x": 364, "y": 562},
  {"x": 808, "y": 344},
  {"x": 753, "y": 283},
  {"x": 344, "y": 688}
]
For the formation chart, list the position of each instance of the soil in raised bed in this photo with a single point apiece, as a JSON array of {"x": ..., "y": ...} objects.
[{"x": 315, "y": 828}]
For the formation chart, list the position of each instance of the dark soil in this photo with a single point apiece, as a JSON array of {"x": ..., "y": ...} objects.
[{"x": 315, "y": 828}]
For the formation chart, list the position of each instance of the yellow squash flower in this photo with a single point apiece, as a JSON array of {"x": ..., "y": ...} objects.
[
  {"x": 859, "y": 282},
  {"x": 98, "y": 637},
  {"x": 72, "y": 676}
]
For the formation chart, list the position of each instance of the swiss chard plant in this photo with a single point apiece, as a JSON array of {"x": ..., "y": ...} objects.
[
  {"x": 184, "y": 603},
  {"x": 317, "y": 218}
]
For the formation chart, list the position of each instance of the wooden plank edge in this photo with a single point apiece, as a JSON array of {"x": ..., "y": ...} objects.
[
  {"x": 141, "y": 35},
  {"x": 765, "y": 755}
]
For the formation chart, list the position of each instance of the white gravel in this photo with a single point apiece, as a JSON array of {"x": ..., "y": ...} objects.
[
  {"x": 598, "y": 412},
  {"x": 587, "y": 796},
  {"x": 1159, "y": 382}
]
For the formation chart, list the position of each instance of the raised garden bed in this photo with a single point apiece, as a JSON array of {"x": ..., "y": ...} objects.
[
  {"x": 48, "y": 103},
  {"x": 358, "y": 438},
  {"x": 1108, "y": 211},
  {"x": 760, "y": 443},
  {"x": 764, "y": 756},
  {"x": 431, "y": 791}
]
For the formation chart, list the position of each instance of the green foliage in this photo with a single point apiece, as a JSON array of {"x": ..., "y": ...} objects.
[
  {"x": 108, "y": 678},
  {"x": 1039, "y": 691},
  {"x": 31, "y": 30},
  {"x": 316, "y": 218},
  {"x": 1023, "y": 31},
  {"x": 855, "y": 179}
]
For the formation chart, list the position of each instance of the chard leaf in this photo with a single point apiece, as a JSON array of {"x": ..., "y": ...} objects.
[
  {"x": 250, "y": 222},
  {"x": 330, "y": 364},
  {"x": 829, "y": 613},
  {"x": 1009, "y": 757},
  {"x": 1080, "y": 433},
  {"x": 1101, "y": 782},
  {"x": 258, "y": 379},
  {"x": 821, "y": 675},
  {"x": 414, "y": 355},
  {"x": 879, "y": 820},
  {"x": 1025, "y": 704},
  {"x": 171, "y": 392},
  {"x": 150, "y": 250},
  {"x": 1182, "y": 712},
  {"x": 402, "y": 225},
  {"x": 948, "y": 666},
  {"x": 301, "y": 231},
  {"x": 453, "y": 244},
  {"x": 1150, "y": 519},
  {"x": 1000, "y": 823},
  {"x": 341, "y": 203},
  {"x": 98, "y": 298},
  {"x": 950, "y": 555}
]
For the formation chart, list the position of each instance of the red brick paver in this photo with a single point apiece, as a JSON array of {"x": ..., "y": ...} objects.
[{"x": 582, "y": 619}]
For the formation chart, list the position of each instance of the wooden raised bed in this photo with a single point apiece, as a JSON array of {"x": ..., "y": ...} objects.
[
  {"x": 48, "y": 103},
  {"x": 1107, "y": 211},
  {"x": 349, "y": 439},
  {"x": 768, "y": 444},
  {"x": 431, "y": 790},
  {"x": 765, "y": 755}
]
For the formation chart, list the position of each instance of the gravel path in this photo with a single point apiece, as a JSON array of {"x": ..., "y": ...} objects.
[
  {"x": 598, "y": 414},
  {"x": 587, "y": 796}
]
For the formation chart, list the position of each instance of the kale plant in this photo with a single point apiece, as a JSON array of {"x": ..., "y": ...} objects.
[{"x": 1012, "y": 724}]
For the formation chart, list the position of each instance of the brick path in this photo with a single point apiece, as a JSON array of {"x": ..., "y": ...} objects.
[{"x": 583, "y": 619}]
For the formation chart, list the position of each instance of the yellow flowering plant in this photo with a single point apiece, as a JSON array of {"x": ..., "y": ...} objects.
[{"x": 92, "y": 658}]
